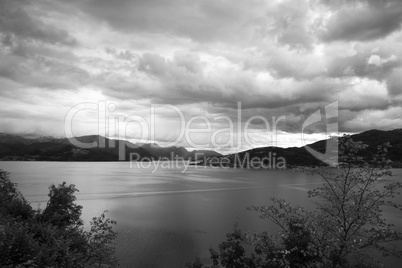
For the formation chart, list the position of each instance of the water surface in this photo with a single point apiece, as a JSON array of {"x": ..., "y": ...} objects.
[{"x": 167, "y": 217}]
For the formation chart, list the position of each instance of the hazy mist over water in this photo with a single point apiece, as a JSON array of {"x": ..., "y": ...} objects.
[{"x": 168, "y": 217}]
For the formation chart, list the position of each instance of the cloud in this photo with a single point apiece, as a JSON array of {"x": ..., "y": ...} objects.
[
  {"x": 277, "y": 58},
  {"x": 208, "y": 20},
  {"x": 189, "y": 60},
  {"x": 394, "y": 82},
  {"x": 186, "y": 79},
  {"x": 34, "y": 52},
  {"x": 16, "y": 18},
  {"x": 289, "y": 22},
  {"x": 362, "y": 20},
  {"x": 375, "y": 119},
  {"x": 364, "y": 94},
  {"x": 363, "y": 64},
  {"x": 38, "y": 71}
]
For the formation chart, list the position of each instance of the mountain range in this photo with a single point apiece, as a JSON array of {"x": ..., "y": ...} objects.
[
  {"x": 299, "y": 156},
  {"x": 13, "y": 147},
  {"x": 18, "y": 148}
]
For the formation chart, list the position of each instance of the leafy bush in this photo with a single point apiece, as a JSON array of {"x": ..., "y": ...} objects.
[
  {"x": 53, "y": 237},
  {"x": 61, "y": 211}
]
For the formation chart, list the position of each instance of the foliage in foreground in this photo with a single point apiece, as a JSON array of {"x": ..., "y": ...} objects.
[
  {"x": 53, "y": 237},
  {"x": 344, "y": 230}
]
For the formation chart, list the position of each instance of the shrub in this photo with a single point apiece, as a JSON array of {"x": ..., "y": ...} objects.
[{"x": 53, "y": 237}]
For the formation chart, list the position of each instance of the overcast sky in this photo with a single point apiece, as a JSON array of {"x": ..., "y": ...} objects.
[{"x": 277, "y": 58}]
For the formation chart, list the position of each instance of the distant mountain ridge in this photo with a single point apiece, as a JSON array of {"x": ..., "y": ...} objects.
[
  {"x": 299, "y": 156},
  {"x": 13, "y": 147}
]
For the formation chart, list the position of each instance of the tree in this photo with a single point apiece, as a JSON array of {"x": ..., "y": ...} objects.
[
  {"x": 294, "y": 245},
  {"x": 53, "y": 237},
  {"x": 101, "y": 240},
  {"x": 352, "y": 202},
  {"x": 61, "y": 210},
  {"x": 8, "y": 189},
  {"x": 12, "y": 203},
  {"x": 348, "y": 221},
  {"x": 232, "y": 252}
]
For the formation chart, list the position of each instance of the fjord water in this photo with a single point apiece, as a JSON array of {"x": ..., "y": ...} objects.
[{"x": 167, "y": 216}]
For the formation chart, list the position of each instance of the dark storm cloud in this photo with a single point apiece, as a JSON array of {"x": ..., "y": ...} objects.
[
  {"x": 33, "y": 53},
  {"x": 16, "y": 19},
  {"x": 363, "y": 20},
  {"x": 199, "y": 20},
  {"x": 365, "y": 64},
  {"x": 208, "y": 20},
  {"x": 275, "y": 57},
  {"x": 41, "y": 72},
  {"x": 182, "y": 80}
]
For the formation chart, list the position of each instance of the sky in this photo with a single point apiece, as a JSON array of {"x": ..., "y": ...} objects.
[{"x": 219, "y": 74}]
